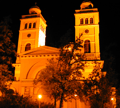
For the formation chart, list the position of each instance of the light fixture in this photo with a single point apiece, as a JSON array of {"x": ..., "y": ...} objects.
[
  {"x": 112, "y": 98},
  {"x": 39, "y": 96}
]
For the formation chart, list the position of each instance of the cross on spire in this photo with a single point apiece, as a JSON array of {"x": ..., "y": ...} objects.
[
  {"x": 35, "y": 3},
  {"x": 86, "y": 0}
]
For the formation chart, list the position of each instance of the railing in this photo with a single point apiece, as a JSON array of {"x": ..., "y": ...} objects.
[{"x": 92, "y": 56}]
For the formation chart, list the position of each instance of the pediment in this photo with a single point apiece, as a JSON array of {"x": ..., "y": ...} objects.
[{"x": 41, "y": 50}]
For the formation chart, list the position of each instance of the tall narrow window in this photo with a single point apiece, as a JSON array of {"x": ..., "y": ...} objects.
[
  {"x": 27, "y": 47},
  {"x": 91, "y": 20},
  {"x": 87, "y": 46},
  {"x": 34, "y": 25},
  {"x": 30, "y": 25},
  {"x": 86, "y": 20},
  {"x": 26, "y": 26},
  {"x": 81, "y": 21}
]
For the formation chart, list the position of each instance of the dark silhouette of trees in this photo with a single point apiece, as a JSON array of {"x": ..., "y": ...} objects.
[
  {"x": 14, "y": 100},
  {"x": 7, "y": 51},
  {"x": 97, "y": 88},
  {"x": 60, "y": 75}
]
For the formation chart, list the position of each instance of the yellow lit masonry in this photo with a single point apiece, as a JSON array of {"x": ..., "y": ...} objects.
[
  {"x": 32, "y": 31},
  {"x": 33, "y": 55},
  {"x": 87, "y": 26},
  {"x": 87, "y": 29}
]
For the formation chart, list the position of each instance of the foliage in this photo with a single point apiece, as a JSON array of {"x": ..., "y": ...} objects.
[
  {"x": 59, "y": 78},
  {"x": 7, "y": 51},
  {"x": 111, "y": 65},
  {"x": 62, "y": 78},
  {"x": 98, "y": 90},
  {"x": 14, "y": 100},
  {"x": 7, "y": 48}
]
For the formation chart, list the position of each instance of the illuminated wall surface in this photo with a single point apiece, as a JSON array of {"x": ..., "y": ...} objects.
[{"x": 33, "y": 54}]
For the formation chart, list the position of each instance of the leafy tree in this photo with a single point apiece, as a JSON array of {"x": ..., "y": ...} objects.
[
  {"x": 60, "y": 75},
  {"x": 7, "y": 51},
  {"x": 110, "y": 57},
  {"x": 14, "y": 100},
  {"x": 97, "y": 88},
  {"x": 62, "y": 78}
]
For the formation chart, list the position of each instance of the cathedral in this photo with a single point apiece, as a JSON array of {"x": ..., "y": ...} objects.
[{"x": 33, "y": 54}]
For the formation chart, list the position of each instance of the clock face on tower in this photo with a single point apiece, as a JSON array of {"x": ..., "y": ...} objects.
[
  {"x": 28, "y": 35},
  {"x": 86, "y": 31}
]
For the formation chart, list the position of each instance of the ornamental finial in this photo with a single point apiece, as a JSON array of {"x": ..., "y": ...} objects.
[{"x": 35, "y": 3}]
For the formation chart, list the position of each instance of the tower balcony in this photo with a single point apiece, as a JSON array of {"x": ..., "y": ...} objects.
[{"x": 92, "y": 56}]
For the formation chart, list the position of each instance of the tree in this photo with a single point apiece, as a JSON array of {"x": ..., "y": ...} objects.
[
  {"x": 14, "y": 100},
  {"x": 98, "y": 89},
  {"x": 62, "y": 78},
  {"x": 60, "y": 75},
  {"x": 7, "y": 51}
]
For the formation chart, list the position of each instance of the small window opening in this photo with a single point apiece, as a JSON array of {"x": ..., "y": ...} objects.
[
  {"x": 81, "y": 21},
  {"x": 86, "y": 20},
  {"x": 34, "y": 25},
  {"x": 91, "y": 20},
  {"x": 30, "y": 25},
  {"x": 26, "y": 26},
  {"x": 87, "y": 46},
  {"x": 27, "y": 47}
]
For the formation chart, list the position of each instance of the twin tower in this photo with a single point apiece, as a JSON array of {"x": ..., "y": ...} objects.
[
  {"x": 32, "y": 33},
  {"x": 33, "y": 54}
]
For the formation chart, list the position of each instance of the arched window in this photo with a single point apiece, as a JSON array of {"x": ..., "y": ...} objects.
[
  {"x": 91, "y": 20},
  {"x": 27, "y": 47},
  {"x": 34, "y": 25},
  {"x": 86, "y": 20},
  {"x": 30, "y": 25},
  {"x": 87, "y": 46},
  {"x": 81, "y": 21},
  {"x": 26, "y": 26}
]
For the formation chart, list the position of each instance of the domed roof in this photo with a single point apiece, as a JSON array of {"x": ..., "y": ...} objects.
[
  {"x": 86, "y": 4},
  {"x": 34, "y": 10},
  {"x": 35, "y": 7}
]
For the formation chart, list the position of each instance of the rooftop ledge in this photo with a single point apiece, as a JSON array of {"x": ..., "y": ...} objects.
[
  {"x": 33, "y": 16},
  {"x": 88, "y": 10}
]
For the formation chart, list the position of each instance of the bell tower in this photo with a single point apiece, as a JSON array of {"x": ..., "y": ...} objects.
[
  {"x": 87, "y": 29},
  {"x": 32, "y": 31}
]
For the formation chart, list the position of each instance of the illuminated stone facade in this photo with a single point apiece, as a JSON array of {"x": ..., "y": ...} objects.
[
  {"x": 32, "y": 54},
  {"x": 87, "y": 29}
]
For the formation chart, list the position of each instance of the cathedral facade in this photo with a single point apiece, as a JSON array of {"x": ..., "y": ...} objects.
[{"x": 32, "y": 54}]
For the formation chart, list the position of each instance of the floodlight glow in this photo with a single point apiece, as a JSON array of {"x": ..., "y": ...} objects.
[
  {"x": 41, "y": 38},
  {"x": 75, "y": 95},
  {"x": 39, "y": 96},
  {"x": 112, "y": 98}
]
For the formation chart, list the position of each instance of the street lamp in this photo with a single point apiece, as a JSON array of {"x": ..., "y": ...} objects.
[
  {"x": 75, "y": 101},
  {"x": 39, "y": 97},
  {"x": 75, "y": 95},
  {"x": 112, "y": 100}
]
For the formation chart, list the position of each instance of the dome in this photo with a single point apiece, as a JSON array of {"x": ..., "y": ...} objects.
[
  {"x": 34, "y": 10},
  {"x": 86, "y": 4}
]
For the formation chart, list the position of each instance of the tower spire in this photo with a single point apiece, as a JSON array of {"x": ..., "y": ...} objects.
[
  {"x": 35, "y": 3},
  {"x": 86, "y": 0}
]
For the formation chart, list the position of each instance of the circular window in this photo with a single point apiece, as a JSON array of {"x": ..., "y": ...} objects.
[
  {"x": 86, "y": 31},
  {"x": 28, "y": 35}
]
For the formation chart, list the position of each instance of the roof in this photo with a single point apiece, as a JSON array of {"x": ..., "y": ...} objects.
[
  {"x": 35, "y": 7},
  {"x": 41, "y": 50},
  {"x": 86, "y": 4},
  {"x": 34, "y": 10}
]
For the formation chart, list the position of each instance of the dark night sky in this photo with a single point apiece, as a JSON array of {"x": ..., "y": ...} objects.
[{"x": 60, "y": 18}]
